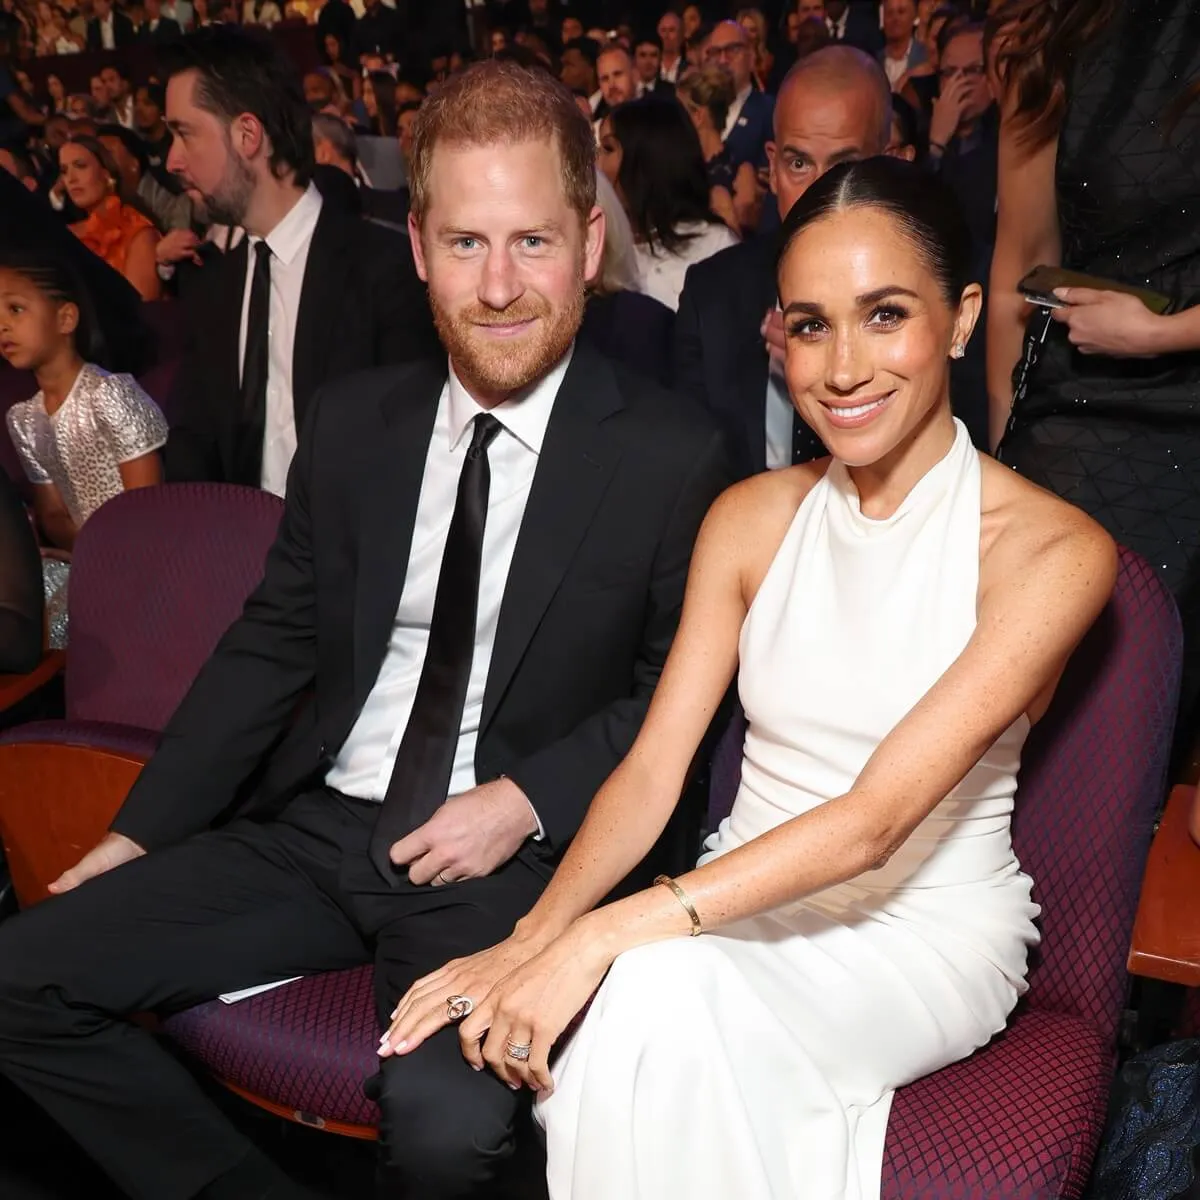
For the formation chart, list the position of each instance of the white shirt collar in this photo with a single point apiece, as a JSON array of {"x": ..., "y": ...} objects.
[
  {"x": 296, "y": 229},
  {"x": 838, "y": 27},
  {"x": 735, "y": 110},
  {"x": 525, "y": 415}
]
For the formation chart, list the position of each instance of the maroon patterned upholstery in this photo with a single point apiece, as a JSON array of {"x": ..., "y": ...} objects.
[
  {"x": 157, "y": 576},
  {"x": 1017, "y": 1121},
  {"x": 98, "y": 735},
  {"x": 307, "y": 1046},
  {"x": 1021, "y": 1118}
]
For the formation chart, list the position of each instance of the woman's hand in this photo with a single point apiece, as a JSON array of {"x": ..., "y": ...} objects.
[
  {"x": 1112, "y": 323},
  {"x": 422, "y": 1010},
  {"x": 532, "y": 1007}
]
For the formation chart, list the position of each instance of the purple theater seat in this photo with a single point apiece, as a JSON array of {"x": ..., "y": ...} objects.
[
  {"x": 15, "y": 386},
  {"x": 1020, "y": 1119}
]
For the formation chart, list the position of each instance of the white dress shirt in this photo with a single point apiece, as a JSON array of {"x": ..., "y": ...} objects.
[
  {"x": 364, "y": 766},
  {"x": 735, "y": 111},
  {"x": 289, "y": 241},
  {"x": 661, "y": 273},
  {"x": 779, "y": 416},
  {"x": 108, "y": 39},
  {"x": 837, "y": 29},
  {"x": 671, "y": 73}
]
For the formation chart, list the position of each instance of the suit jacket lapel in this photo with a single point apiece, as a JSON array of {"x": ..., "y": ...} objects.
[
  {"x": 579, "y": 455},
  {"x": 391, "y": 488},
  {"x": 755, "y": 363},
  {"x": 323, "y": 291}
]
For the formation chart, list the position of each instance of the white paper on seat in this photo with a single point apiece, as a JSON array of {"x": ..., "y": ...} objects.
[{"x": 246, "y": 993}]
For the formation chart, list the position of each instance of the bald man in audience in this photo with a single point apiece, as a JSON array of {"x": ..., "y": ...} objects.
[{"x": 834, "y": 106}]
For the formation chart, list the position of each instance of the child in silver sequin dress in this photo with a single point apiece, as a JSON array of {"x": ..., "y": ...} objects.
[{"x": 87, "y": 435}]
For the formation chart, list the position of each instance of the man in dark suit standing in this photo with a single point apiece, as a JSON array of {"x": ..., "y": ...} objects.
[
  {"x": 748, "y": 125},
  {"x": 834, "y": 105},
  {"x": 312, "y": 294},
  {"x": 854, "y": 23},
  {"x": 158, "y": 30},
  {"x": 477, "y": 578},
  {"x": 337, "y": 147},
  {"x": 109, "y": 29}
]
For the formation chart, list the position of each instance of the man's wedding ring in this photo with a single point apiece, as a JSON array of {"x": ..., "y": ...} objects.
[
  {"x": 458, "y": 1007},
  {"x": 519, "y": 1051}
]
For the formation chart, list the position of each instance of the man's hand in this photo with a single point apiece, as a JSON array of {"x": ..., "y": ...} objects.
[
  {"x": 179, "y": 245},
  {"x": 772, "y": 332},
  {"x": 114, "y": 850},
  {"x": 469, "y": 836},
  {"x": 947, "y": 112}
]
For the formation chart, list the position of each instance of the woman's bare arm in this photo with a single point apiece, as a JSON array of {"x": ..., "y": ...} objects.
[
  {"x": 141, "y": 269},
  {"x": 53, "y": 517},
  {"x": 1027, "y": 236}
]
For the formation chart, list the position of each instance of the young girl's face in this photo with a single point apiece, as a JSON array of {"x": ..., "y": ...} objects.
[{"x": 33, "y": 327}]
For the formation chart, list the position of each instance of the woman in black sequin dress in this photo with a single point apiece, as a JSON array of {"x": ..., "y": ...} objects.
[{"x": 1100, "y": 173}]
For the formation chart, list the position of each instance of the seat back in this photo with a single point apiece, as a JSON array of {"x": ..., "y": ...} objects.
[
  {"x": 1093, "y": 774},
  {"x": 158, "y": 575}
]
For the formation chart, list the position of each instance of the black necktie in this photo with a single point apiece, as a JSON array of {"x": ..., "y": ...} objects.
[
  {"x": 805, "y": 444},
  {"x": 255, "y": 365},
  {"x": 425, "y": 761}
]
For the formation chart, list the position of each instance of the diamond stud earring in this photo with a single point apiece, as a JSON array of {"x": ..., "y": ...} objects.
[{"x": 957, "y": 352}]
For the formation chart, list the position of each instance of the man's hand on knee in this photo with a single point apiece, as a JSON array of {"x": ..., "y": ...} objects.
[
  {"x": 114, "y": 850},
  {"x": 469, "y": 836}
]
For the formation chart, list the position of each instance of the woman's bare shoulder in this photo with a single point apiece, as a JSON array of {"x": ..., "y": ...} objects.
[{"x": 1025, "y": 528}]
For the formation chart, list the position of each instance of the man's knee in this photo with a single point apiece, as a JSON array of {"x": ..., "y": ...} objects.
[{"x": 446, "y": 1136}]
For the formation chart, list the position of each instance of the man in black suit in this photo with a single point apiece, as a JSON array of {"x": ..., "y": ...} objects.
[
  {"x": 476, "y": 581},
  {"x": 109, "y": 29},
  {"x": 853, "y": 23},
  {"x": 158, "y": 30},
  {"x": 834, "y": 105},
  {"x": 647, "y": 61},
  {"x": 337, "y": 147},
  {"x": 312, "y": 294}
]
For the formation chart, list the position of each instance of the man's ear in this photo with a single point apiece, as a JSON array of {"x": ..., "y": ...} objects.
[{"x": 418, "y": 249}]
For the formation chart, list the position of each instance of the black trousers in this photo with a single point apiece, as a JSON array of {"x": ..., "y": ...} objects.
[{"x": 247, "y": 904}]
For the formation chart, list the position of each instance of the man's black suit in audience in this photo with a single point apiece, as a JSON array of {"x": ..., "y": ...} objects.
[
  {"x": 834, "y": 105},
  {"x": 109, "y": 29},
  {"x": 477, "y": 579},
  {"x": 380, "y": 30},
  {"x": 160, "y": 32},
  {"x": 312, "y": 294},
  {"x": 855, "y": 23},
  {"x": 635, "y": 330}
]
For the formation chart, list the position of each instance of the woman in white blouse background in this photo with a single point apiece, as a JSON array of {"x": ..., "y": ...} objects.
[{"x": 650, "y": 153}]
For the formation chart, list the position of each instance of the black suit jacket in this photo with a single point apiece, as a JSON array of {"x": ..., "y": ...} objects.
[
  {"x": 123, "y": 32},
  {"x": 633, "y": 329},
  {"x": 625, "y": 476},
  {"x": 163, "y": 34},
  {"x": 362, "y": 305},
  {"x": 862, "y": 28}
]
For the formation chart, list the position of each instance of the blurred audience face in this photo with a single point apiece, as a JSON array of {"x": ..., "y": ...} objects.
[
  {"x": 507, "y": 303},
  {"x": 963, "y": 60},
  {"x": 730, "y": 47},
  {"x": 218, "y": 180},
  {"x": 333, "y": 48},
  {"x": 408, "y": 93},
  {"x": 147, "y": 116},
  {"x": 900, "y": 146},
  {"x": 670, "y": 33},
  {"x": 893, "y": 350},
  {"x": 810, "y": 8},
  {"x": 55, "y": 90},
  {"x": 55, "y": 132},
  {"x": 820, "y": 122},
  {"x": 99, "y": 92},
  {"x": 647, "y": 60},
  {"x": 690, "y": 21},
  {"x": 584, "y": 105},
  {"x": 576, "y": 72},
  {"x": 101, "y": 9},
  {"x": 754, "y": 25},
  {"x": 615, "y": 71},
  {"x": 899, "y": 18},
  {"x": 404, "y": 132},
  {"x": 86, "y": 180},
  {"x": 572, "y": 28},
  {"x": 499, "y": 41},
  {"x": 115, "y": 85},
  {"x": 318, "y": 90},
  {"x": 77, "y": 106},
  {"x": 370, "y": 103},
  {"x": 609, "y": 154}
]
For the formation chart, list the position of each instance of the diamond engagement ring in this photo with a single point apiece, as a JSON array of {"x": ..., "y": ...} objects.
[
  {"x": 458, "y": 1007},
  {"x": 519, "y": 1050}
]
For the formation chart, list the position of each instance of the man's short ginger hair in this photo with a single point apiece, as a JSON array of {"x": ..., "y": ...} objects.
[{"x": 499, "y": 102}]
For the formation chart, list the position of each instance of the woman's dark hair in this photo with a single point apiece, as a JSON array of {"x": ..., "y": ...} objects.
[
  {"x": 384, "y": 85},
  {"x": 244, "y": 71},
  {"x": 926, "y": 213},
  {"x": 662, "y": 178},
  {"x": 100, "y": 153},
  {"x": 906, "y": 117},
  {"x": 55, "y": 277}
]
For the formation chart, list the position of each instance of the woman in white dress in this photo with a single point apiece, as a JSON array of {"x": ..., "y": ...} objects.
[{"x": 898, "y": 615}]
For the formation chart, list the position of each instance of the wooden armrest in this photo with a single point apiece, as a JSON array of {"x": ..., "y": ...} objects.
[
  {"x": 56, "y": 803},
  {"x": 1166, "y": 934},
  {"x": 14, "y": 688}
]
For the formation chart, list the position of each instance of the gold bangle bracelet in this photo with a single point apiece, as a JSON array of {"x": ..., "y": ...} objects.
[{"x": 683, "y": 899}]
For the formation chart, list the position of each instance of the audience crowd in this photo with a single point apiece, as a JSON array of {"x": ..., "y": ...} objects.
[{"x": 179, "y": 285}]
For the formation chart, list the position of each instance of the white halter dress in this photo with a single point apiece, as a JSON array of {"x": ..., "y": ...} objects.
[{"x": 758, "y": 1062}]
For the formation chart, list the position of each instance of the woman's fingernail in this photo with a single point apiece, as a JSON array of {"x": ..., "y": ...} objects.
[
  {"x": 400, "y": 1045},
  {"x": 476, "y": 1067}
]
